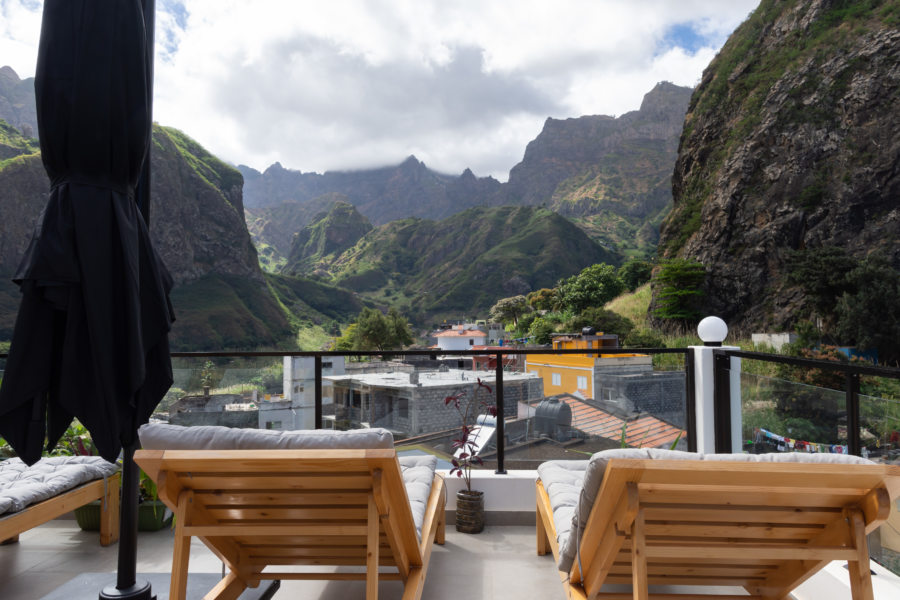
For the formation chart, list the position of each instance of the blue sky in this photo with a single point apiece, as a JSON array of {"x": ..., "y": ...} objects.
[{"x": 343, "y": 84}]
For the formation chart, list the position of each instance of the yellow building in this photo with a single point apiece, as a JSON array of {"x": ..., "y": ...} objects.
[{"x": 577, "y": 373}]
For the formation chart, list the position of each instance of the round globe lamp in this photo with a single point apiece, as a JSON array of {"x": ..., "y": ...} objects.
[{"x": 713, "y": 331}]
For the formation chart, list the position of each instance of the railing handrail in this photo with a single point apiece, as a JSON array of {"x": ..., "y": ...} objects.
[
  {"x": 429, "y": 352},
  {"x": 815, "y": 363}
]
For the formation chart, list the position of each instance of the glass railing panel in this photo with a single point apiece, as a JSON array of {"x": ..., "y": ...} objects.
[
  {"x": 879, "y": 416},
  {"x": 778, "y": 415},
  {"x": 232, "y": 392},
  {"x": 614, "y": 401}
]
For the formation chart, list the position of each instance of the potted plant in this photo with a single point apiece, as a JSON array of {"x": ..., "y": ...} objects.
[
  {"x": 469, "y": 502},
  {"x": 152, "y": 513}
]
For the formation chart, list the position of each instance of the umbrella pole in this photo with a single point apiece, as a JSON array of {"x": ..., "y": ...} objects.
[
  {"x": 127, "y": 588},
  {"x": 126, "y": 585}
]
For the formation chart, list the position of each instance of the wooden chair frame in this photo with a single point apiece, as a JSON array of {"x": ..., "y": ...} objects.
[
  {"x": 40, "y": 512},
  {"x": 766, "y": 527},
  {"x": 263, "y": 508}
]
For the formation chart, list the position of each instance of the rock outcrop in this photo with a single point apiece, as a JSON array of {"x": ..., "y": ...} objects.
[
  {"x": 17, "y": 102},
  {"x": 327, "y": 236},
  {"x": 791, "y": 141},
  {"x": 197, "y": 225}
]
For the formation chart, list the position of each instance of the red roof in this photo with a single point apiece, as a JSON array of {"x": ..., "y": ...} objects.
[
  {"x": 643, "y": 432},
  {"x": 461, "y": 333}
]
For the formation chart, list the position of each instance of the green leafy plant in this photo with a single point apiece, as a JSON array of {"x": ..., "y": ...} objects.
[
  {"x": 469, "y": 406},
  {"x": 76, "y": 441}
]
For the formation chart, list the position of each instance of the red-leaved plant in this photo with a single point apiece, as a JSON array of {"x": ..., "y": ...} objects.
[{"x": 469, "y": 406}]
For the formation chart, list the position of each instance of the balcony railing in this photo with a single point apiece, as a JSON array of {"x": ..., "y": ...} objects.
[{"x": 233, "y": 372}]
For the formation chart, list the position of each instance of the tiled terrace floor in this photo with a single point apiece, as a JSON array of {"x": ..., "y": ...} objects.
[{"x": 499, "y": 563}]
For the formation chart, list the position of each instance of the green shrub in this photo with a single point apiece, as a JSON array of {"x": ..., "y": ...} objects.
[{"x": 679, "y": 290}]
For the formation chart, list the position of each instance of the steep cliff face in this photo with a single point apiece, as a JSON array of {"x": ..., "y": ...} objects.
[
  {"x": 791, "y": 141},
  {"x": 197, "y": 217},
  {"x": 197, "y": 225},
  {"x": 598, "y": 148}
]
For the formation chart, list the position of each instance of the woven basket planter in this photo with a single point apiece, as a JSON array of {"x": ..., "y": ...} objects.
[{"x": 469, "y": 511}]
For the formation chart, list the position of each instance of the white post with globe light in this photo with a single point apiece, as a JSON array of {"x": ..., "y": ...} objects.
[{"x": 713, "y": 331}]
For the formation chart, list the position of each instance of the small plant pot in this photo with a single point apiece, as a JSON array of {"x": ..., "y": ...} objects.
[
  {"x": 469, "y": 511},
  {"x": 88, "y": 516},
  {"x": 152, "y": 516}
]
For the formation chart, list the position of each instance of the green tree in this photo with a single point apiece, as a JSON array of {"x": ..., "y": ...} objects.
[
  {"x": 869, "y": 315},
  {"x": 542, "y": 299},
  {"x": 635, "y": 273},
  {"x": 509, "y": 310},
  {"x": 822, "y": 273},
  {"x": 377, "y": 331},
  {"x": 373, "y": 330},
  {"x": 679, "y": 289},
  {"x": 594, "y": 286},
  {"x": 540, "y": 331},
  {"x": 347, "y": 342}
]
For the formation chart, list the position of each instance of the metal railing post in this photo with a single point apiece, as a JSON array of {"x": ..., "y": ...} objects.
[
  {"x": 501, "y": 435},
  {"x": 722, "y": 404},
  {"x": 852, "y": 389},
  {"x": 318, "y": 400},
  {"x": 690, "y": 406}
]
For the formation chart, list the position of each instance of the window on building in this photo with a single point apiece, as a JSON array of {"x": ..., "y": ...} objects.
[
  {"x": 471, "y": 342},
  {"x": 403, "y": 408},
  {"x": 326, "y": 365},
  {"x": 556, "y": 379},
  {"x": 582, "y": 382},
  {"x": 273, "y": 424},
  {"x": 298, "y": 389}
]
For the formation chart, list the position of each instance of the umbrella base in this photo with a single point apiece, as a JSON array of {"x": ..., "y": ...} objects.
[
  {"x": 141, "y": 590},
  {"x": 87, "y": 586}
]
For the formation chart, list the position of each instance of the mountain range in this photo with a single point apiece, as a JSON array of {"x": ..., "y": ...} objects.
[
  {"x": 416, "y": 251},
  {"x": 609, "y": 175}
]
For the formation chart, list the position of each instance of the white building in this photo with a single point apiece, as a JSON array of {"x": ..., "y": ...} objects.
[
  {"x": 460, "y": 338},
  {"x": 298, "y": 409}
]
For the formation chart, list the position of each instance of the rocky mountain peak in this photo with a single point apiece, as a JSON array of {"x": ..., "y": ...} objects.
[{"x": 17, "y": 102}]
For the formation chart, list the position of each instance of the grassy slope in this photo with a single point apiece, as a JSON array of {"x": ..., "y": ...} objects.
[{"x": 464, "y": 264}]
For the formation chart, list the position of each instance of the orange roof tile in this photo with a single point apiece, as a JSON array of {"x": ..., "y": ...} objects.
[
  {"x": 460, "y": 333},
  {"x": 643, "y": 432}
]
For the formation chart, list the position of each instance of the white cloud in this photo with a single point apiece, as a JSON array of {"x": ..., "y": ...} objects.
[{"x": 353, "y": 83}]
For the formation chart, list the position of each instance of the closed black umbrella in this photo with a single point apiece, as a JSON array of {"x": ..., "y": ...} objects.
[{"x": 90, "y": 339}]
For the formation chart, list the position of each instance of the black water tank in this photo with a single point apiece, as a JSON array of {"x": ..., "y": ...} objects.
[{"x": 553, "y": 418}]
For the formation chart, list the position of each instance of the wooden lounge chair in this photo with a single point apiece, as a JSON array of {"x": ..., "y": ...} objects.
[
  {"x": 306, "y": 498},
  {"x": 53, "y": 487},
  {"x": 764, "y": 523}
]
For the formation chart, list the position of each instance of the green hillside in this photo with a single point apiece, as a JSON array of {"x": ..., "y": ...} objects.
[{"x": 464, "y": 264}]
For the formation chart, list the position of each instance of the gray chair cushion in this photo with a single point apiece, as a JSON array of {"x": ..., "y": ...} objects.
[
  {"x": 163, "y": 436},
  {"x": 418, "y": 475},
  {"x": 21, "y": 485},
  {"x": 592, "y": 476}
]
